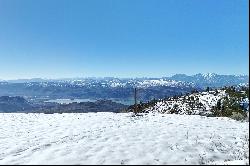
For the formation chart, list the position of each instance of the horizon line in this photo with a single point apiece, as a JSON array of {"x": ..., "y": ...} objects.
[{"x": 118, "y": 77}]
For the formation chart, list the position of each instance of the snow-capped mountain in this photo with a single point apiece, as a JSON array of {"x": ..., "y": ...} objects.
[
  {"x": 212, "y": 79},
  {"x": 112, "y": 83}
]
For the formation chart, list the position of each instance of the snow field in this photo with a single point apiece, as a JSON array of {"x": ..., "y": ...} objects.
[{"x": 110, "y": 138}]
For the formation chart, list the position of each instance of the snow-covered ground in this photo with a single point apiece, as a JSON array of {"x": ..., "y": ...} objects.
[
  {"x": 110, "y": 138},
  {"x": 202, "y": 102}
]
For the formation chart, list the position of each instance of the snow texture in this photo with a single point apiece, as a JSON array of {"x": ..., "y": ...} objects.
[
  {"x": 110, "y": 138},
  {"x": 195, "y": 104}
]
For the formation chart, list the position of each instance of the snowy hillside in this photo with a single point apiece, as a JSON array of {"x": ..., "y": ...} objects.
[
  {"x": 109, "y": 138},
  {"x": 196, "y": 103}
]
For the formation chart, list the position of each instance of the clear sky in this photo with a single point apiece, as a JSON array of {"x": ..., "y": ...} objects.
[{"x": 122, "y": 38}]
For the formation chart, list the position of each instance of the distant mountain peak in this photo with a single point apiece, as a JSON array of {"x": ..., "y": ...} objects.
[{"x": 209, "y": 75}]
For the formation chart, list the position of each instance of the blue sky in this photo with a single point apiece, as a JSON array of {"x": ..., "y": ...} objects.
[{"x": 122, "y": 38}]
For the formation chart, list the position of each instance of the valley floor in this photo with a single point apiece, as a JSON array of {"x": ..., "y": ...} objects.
[{"x": 110, "y": 138}]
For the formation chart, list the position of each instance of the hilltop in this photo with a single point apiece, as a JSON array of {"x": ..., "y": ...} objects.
[{"x": 227, "y": 101}]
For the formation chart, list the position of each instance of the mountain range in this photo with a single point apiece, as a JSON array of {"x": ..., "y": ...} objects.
[
  {"x": 116, "y": 88},
  {"x": 212, "y": 79},
  {"x": 202, "y": 80}
]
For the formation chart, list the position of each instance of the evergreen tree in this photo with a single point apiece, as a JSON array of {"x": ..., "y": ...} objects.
[{"x": 218, "y": 105}]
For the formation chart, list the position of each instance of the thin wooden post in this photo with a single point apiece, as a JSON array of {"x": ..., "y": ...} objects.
[{"x": 135, "y": 101}]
